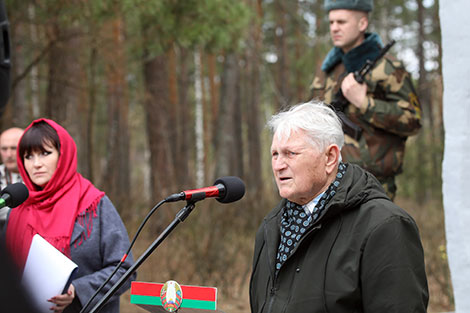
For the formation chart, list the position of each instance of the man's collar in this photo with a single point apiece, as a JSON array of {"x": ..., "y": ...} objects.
[
  {"x": 311, "y": 205},
  {"x": 356, "y": 57}
]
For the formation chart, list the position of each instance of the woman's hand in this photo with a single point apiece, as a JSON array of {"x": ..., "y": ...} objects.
[{"x": 62, "y": 301}]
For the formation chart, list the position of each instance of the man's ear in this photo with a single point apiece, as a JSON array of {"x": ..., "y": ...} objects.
[
  {"x": 332, "y": 154},
  {"x": 363, "y": 23}
]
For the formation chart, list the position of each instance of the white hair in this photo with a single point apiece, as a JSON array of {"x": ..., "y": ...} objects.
[{"x": 316, "y": 118}]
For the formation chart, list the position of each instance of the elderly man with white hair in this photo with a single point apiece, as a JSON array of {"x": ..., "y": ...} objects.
[{"x": 335, "y": 242}]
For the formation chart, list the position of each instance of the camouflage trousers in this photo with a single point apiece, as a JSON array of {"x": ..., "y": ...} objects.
[{"x": 388, "y": 184}]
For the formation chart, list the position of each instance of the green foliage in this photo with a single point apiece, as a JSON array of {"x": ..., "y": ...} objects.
[
  {"x": 62, "y": 13},
  {"x": 208, "y": 24}
]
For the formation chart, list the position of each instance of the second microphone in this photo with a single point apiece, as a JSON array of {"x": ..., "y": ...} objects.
[{"x": 225, "y": 189}]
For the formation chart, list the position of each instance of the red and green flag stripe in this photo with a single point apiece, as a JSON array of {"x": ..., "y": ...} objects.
[{"x": 194, "y": 297}]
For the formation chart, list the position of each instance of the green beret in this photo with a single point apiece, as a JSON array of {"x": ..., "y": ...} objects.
[{"x": 359, "y": 5}]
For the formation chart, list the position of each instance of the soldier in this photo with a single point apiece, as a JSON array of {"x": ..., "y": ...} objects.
[{"x": 385, "y": 106}]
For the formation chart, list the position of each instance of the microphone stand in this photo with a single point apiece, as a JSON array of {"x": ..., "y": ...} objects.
[{"x": 180, "y": 217}]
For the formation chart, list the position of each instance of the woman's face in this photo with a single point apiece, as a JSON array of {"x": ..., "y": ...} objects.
[{"x": 40, "y": 165}]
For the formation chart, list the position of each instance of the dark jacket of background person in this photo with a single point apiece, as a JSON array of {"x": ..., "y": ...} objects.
[
  {"x": 13, "y": 297},
  {"x": 362, "y": 255}
]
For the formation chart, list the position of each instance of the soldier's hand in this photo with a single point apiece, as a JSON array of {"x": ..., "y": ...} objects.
[{"x": 354, "y": 92}]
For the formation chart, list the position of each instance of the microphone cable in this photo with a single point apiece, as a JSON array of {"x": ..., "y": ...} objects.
[{"x": 124, "y": 256}]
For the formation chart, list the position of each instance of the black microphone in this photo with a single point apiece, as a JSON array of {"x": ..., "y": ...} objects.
[
  {"x": 226, "y": 189},
  {"x": 13, "y": 195}
]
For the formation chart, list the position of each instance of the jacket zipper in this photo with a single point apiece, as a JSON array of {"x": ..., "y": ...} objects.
[
  {"x": 272, "y": 293},
  {"x": 273, "y": 289}
]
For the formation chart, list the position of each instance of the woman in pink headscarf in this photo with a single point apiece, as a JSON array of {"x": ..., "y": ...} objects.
[{"x": 69, "y": 212}]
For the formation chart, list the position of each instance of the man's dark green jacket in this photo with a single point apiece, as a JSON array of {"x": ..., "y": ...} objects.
[{"x": 363, "y": 254}]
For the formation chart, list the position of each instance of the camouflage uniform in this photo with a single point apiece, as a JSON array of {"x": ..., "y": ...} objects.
[{"x": 392, "y": 113}]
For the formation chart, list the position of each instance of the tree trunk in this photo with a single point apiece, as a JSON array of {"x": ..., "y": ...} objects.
[
  {"x": 236, "y": 154},
  {"x": 117, "y": 172},
  {"x": 92, "y": 95},
  {"x": 212, "y": 113},
  {"x": 299, "y": 50},
  {"x": 213, "y": 89},
  {"x": 185, "y": 177},
  {"x": 156, "y": 102},
  {"x": 16, "y": 113},
  {"x": 35, "y": 109},
  {"x": 199, "y": 125},
  {"x": 173, "y": 104},
  {"x": 422, "y": 81},
  {"x": 282, "y": 77},
  {"x": 62, "y": 62},
  {"x": 67, "y": 100},
  {"x": 225, "y": 130},
  {"x": 253, "y": 119}
]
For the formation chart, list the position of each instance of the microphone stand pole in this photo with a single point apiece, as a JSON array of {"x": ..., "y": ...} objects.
[{"x": 180, "y": 217}]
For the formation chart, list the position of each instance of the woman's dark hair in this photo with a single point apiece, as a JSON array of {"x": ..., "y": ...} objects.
[{"x": 36, "y": 137}]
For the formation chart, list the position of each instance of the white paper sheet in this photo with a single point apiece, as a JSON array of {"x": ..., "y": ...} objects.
[{"x": 46, "y": 272}]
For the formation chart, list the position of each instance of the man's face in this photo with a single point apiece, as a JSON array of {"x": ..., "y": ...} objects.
[
  {"x": 299, "y": 168},
  {"x": 8, "y": 143},
  {"x": 346, "y": 28}
]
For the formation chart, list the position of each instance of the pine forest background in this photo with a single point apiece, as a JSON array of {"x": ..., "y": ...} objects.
[{"x": 163, "y": 96}]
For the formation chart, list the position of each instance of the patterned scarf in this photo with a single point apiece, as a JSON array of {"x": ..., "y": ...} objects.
[{"x": 295, "y": 221}]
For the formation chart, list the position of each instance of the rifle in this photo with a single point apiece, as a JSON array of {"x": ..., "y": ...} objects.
[{"x": 340, "y": 102}]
